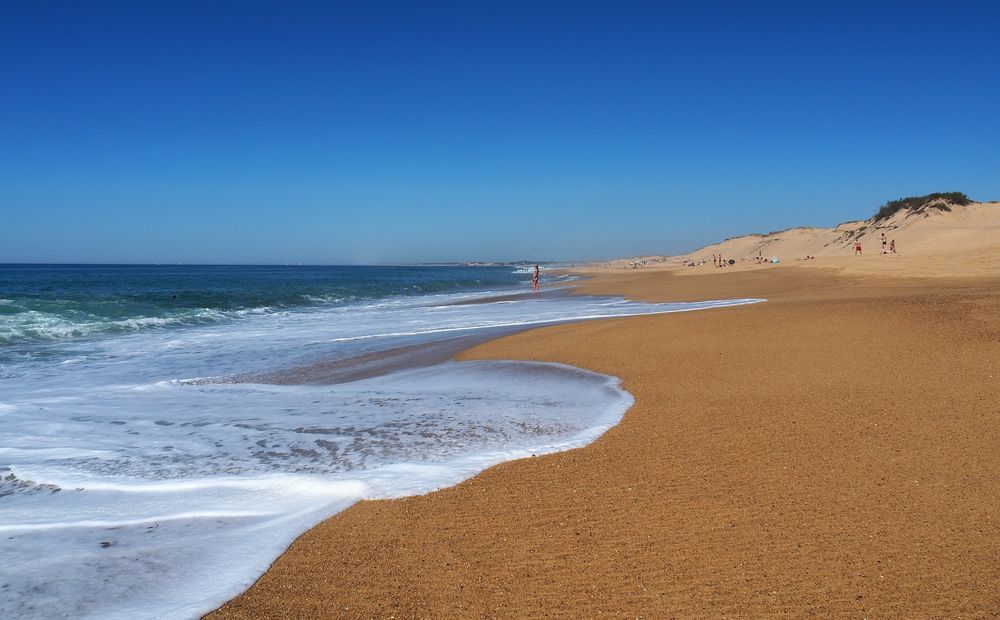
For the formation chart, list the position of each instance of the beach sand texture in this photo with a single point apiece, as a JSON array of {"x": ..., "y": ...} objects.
[{"x": 833, "y": 452}]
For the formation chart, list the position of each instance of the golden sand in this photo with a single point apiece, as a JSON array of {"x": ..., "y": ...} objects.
[{"x": 833, "y": 452}]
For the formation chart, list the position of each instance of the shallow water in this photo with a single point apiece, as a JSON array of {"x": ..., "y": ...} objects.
[{"x": 132, "y": 486}]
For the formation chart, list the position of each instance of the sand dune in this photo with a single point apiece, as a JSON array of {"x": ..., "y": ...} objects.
[{"x": 956, "y": 240}]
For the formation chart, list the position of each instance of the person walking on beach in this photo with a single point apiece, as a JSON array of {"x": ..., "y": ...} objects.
[
  {"x": 857, "y": 247},
  {"x": 892, "y": 247},
  {"x": 534, "y": 280},
  {"x": 884, "y": 251}
]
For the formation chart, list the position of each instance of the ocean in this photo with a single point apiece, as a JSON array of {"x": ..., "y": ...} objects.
[{"x": 167, "y": 431}]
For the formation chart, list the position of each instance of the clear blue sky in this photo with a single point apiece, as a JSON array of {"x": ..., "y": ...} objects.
[{"x": 236, "y": 132}]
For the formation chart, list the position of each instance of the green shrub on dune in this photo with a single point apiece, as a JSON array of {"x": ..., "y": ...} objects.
[{"x": 938, "y": 200}]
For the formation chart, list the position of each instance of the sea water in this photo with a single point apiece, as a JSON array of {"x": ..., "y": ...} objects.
[{"x": 144, "y": 472}]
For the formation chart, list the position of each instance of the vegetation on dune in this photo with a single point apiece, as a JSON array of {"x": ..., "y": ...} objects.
[
  {"x": 940, "y": 201},
  {"x": 918, "y": 204}
]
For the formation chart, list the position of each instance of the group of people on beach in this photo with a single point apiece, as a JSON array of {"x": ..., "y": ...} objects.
[
  {"x": 891, "y": 249},
  {"x": 721, "y": 262}
]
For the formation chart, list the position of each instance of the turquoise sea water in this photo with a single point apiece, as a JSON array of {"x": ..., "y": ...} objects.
[{"x": 50, "y": 302}]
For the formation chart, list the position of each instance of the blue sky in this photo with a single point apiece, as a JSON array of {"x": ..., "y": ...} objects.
[{"x": 239, "y": 132}]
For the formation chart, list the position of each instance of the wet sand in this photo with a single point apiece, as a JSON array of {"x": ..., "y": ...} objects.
[
  {"x": 548, "y": 291},
  {"x": 357, "y": 367},
  {"x": 435, "y": 350},
  {"x": 833, "y": 452}
]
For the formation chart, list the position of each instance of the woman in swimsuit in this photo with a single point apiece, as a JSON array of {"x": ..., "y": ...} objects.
[{"x": 534, "y": 281}]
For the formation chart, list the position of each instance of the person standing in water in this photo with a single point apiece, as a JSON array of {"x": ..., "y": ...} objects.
[{"x": 534, "y": 280}]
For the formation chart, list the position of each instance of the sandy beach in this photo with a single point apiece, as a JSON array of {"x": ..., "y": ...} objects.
[
  {"x": 832, "y": 452},
  {"x": 503, "y": 310}
]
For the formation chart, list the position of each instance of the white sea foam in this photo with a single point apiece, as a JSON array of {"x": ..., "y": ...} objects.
[
  {"x": 35, "y": 324},
  {"x": 126, "y": 491}
]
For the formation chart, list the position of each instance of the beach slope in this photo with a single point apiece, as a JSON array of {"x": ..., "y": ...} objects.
[
  {"x": 936, "y": 238},
  {"x": 834, "y": 451}
]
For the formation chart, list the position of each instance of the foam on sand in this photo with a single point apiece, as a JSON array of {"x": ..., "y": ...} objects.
[
  {"x": 128, "y": 489},
  {"x": 117, "y": 513}
]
